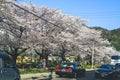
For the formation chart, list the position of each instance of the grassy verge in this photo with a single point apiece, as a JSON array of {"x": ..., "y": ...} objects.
[
  {"x": 35, "y": 70},
  {"x": 29, "y": 71}
]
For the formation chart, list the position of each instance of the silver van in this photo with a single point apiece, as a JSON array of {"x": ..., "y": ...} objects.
[{"x": 8, "y": 70}]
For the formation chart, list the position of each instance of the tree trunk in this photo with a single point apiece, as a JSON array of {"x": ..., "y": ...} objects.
[
  {"x": 14, "y": 57},
  {"x": 63, "y": 57}
]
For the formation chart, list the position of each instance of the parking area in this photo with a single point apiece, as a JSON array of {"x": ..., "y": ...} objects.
[{"x": 45, "y": 76}]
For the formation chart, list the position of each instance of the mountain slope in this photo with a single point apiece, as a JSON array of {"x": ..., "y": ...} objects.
[{"x": 113, "y": 36}]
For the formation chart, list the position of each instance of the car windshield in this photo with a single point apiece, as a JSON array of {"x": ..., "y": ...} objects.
[
  {"x": 107, "y": 66},
  {"x": 117, "y": 65},
  {"x": 67, "y": 65}
]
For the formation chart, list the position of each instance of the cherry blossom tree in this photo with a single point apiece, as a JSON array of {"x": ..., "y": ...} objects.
[
  {"x": 14, "y": 34},
  {"x": 49, "y": 31}
]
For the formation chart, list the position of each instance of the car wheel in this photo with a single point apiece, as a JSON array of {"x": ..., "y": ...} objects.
[
  {"x": 96, "y": 77},
  {"x": 112, "y": 77},
  {"x": 60, "y": 75},
  {"x": 84, "y": 74},
  {"x": 79, "y": 74}
]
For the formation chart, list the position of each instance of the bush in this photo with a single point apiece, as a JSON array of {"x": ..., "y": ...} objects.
[
  {"x": 27, "y": 65},
  {"x": 89, "y": 66},
  {"x": 53, "y": 63}
]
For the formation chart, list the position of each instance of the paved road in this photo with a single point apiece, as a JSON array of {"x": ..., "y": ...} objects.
[{"x": 89, "y": 76}]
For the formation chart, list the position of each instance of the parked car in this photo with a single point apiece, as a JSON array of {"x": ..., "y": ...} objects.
[
  {"x": 105, "y": 71},
  {"x": 8, "y": 70},
  {"x": 71, "y": 69},
  {"x": 117, "y": 68}
]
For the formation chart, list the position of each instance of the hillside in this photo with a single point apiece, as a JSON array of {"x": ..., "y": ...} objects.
[{"x": 112, "y": 35}]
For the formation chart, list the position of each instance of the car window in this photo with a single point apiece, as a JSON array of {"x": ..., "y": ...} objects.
[
  {"x": 117, "y": 66},
  {"x": 63, "y": 65},
  {"x": 67, "y": 65},
  {"x": 107, "y": 66},
  {"x": 70, "y": 66},
  {"x": 0, "y": 62},
  {"x": 104, "y": 66},
  {"x": 7, "y": 63}
]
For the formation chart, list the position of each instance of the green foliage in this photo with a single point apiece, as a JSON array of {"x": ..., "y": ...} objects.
[
  {"x": 78, "y": 58},
  {"x": 27, "y": 65},
  {"x": 113, "y": 36},
  {"x": 86, "y": 66},
  {"x": 53, "y": 63}
]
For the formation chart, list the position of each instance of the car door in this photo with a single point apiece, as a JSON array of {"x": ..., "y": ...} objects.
[
  {"x": 8, "y": 70},
  {"x": 1, "y": 77}
]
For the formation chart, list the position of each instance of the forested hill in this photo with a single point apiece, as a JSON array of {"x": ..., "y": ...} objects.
[{"x": 112, "y": 35}]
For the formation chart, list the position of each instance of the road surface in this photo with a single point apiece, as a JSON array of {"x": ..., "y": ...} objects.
[{"x": 89, "y": 76}]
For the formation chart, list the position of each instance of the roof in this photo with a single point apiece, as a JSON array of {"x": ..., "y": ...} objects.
[{"x": 115, "y": 57}]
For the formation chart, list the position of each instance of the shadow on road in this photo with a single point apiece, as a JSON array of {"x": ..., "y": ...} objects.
[
  {"x": 37, "y": 78},
  {"x": 89, "y": 76}
]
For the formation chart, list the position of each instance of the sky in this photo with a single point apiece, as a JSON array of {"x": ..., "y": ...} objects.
[{"x": 101, "y": 13}]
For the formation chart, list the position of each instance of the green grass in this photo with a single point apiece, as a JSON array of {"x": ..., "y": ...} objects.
[{"x": 29, "y": 71}]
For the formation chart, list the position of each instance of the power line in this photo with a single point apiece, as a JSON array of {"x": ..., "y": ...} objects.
[{"x": 34, "y": 14}]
